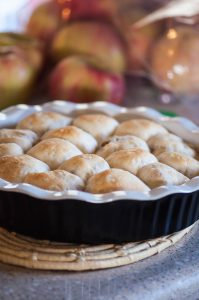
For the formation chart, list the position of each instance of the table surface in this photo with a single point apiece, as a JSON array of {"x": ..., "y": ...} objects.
[{"x": 172, "y": 274}]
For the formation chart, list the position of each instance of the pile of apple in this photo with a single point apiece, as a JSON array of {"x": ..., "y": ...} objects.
[
  {"x": 87, "y": 46},
  {"x": 87, "y": 51}
]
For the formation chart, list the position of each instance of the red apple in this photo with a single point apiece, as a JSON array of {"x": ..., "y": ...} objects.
[
  {"x": 139, "y": 44},
  {"x": 44, "y": 21},
  {"x": 87, "y": 9},
  {"x": 174, "y": 60},
  {"x": 76, "y": 80},
  {"x": 139, "y": 41},
  {"x": 94, "y": 40}
]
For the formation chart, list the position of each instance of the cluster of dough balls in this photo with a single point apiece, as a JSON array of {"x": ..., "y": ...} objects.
[{"x": 94, "y": 153}]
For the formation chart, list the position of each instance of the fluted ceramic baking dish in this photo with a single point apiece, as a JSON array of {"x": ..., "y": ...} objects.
[{"x": 80, "y": 217}]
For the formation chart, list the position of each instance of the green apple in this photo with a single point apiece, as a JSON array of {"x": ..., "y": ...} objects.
[
  {"x": 16, "y": 78},
  {"x": 30, "y": 48},
  {"x": 20, "y": 62}
]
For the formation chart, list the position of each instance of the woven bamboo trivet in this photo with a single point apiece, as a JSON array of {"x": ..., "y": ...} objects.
[{"x": 26, "y": 252}]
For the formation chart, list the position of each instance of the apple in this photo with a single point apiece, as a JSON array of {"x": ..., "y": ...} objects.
[
  {"x": 88, "y": 9},
  {"x": 100, "y": 42},
  {"x": 139, "y": 41},
  {"x": 139, "y": 44},
  {"x": 174, "y": 60},
  {"x": 26, "y": 46},
  {"x": 51, "y": 15},
  {"x": 44, "y": 21},
  {"x": 20, "y": 62},
  {"x": 16, "y": 78},
  {"x": 75, "y": 79}
]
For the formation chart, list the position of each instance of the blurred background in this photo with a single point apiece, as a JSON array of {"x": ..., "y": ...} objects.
[{"x": 92, "y": 50}]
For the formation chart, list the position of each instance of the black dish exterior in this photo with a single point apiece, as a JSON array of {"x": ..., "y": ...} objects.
[{"x": 78, "y": 221}]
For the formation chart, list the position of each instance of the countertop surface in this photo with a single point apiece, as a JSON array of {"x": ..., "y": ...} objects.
[{"x": 172, "y": 274}]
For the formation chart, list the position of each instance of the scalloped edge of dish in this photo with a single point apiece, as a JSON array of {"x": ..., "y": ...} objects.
[{"x": 178, "y": 125}]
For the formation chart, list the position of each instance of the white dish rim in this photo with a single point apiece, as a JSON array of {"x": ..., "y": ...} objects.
[{"x": 178, "y": 125}]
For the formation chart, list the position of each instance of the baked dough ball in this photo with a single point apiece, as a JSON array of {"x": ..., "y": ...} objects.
[
  {"x": 41, "y": 122},
  {"x": 135, "y": 141},
  {"x": 141, "y": 128},
  {"x": 157, "y": 139},
  {"x": 80, "y": 138},
  {"x": 98, "y": 125},
  {"x": 24, "y": 138},
  {"x": 126, "y": 142},
  {"x": 169, "y": 143},
  {"x": 57, "y": 180},
  {"x": 182, "y": 163},
  {"x": 15, "y": 168},
  {"x": 130, "y": 160},
  {"x": 10, "y": 149},
  {"x": 54, "y": 151},
  {"x": 157, "y": 174},
  {"x": 85, "y": 165},
  {"x": 114, "y": 180}
]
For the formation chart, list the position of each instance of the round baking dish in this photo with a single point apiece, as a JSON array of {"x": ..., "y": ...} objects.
[{"x": 117, "y": 217}]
